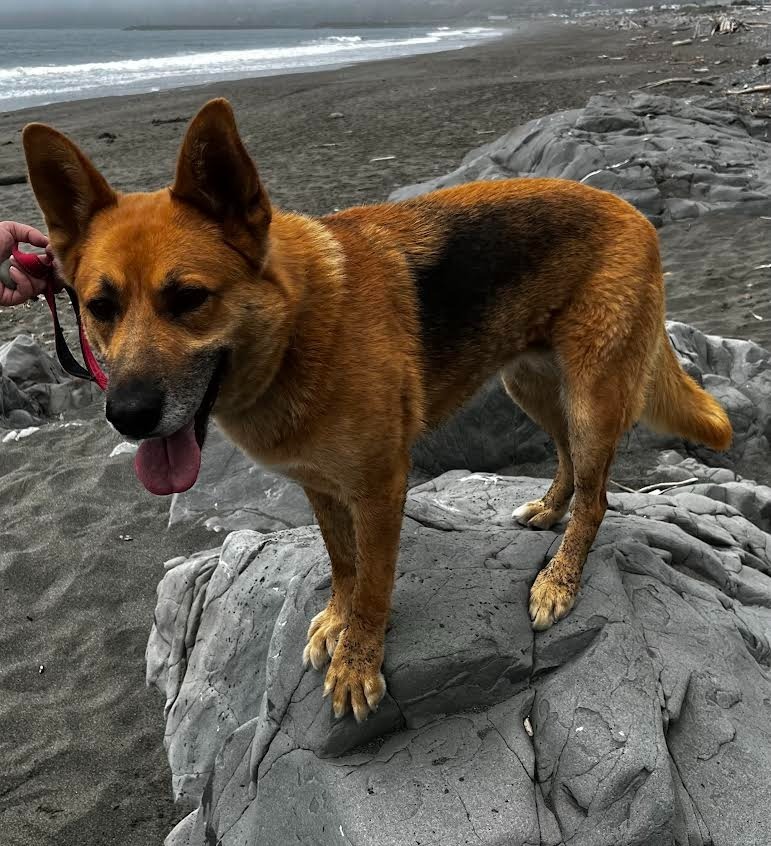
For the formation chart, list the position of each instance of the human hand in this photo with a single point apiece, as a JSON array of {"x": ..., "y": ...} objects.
[{"x": 23, "y": 287}]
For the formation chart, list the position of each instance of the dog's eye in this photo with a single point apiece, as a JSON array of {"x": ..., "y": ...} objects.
[
  {"x": 183, "y": 300},
  {"x": 103, "y": 309}
]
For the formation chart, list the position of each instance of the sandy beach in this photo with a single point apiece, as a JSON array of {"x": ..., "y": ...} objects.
[{"x": 81, "y": 545}]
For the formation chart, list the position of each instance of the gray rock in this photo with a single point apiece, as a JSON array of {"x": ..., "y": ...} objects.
[
  {"x": 671, "y": 158},
  {"x": 17, "y": 409},
  {"x": 25, "y": 361},
  {"x": 748, "y": 498},
  {"x": 649, "y": 703},
  {"x": 35, "y": 386}
]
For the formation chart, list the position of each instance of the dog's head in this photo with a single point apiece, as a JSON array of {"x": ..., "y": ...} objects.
[{"x": 167, "y": 281}]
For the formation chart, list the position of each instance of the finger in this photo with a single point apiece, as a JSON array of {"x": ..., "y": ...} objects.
[
  {"x": 25, "y": 288},
  {"x": 25, "y": 234},
  {"x": 23, "y": 283},
  {"x": 10, "y": 296},
  {"x": 36, "y": 286}
]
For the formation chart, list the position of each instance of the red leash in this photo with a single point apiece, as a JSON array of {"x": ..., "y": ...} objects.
[{"x": 32, "y": 265}]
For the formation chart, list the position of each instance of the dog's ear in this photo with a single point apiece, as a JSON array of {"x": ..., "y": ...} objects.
[
  {"x": 68, "y": 188},
  {"x": 216, "y": 175}
]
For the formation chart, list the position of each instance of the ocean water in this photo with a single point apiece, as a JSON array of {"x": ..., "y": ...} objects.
[{"x": 46, "y": 66}]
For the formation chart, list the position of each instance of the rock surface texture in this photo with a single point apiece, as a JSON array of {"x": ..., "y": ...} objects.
[
  {"x": 33, "y": 386},
  {"x": 672, "y": 159},
  {"x": 649, "y": 704}
]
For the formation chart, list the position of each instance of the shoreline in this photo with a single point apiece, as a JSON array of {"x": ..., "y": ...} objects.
[
  {"x": 496, "y": 33},
  {"x": 321, "y": 25}
]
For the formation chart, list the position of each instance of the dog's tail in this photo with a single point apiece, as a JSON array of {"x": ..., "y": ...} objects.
[{"x": 676, "y": 404}]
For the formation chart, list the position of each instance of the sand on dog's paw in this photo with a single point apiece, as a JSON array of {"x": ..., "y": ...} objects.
[
  {"x": 323, "y": 634},
  {"x": 550, "y": 600},
  {"x": 354, "y": 676}
]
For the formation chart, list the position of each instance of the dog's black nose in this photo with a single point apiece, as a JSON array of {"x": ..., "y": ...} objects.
[{"x": 134, "y": 407}]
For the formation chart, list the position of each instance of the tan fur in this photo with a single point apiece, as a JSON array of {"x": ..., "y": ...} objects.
[
  {"x": 343, "y": 347},
  {"x": 678, "y": 405}
]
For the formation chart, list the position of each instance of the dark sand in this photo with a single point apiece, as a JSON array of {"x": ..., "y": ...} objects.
[{"x": 82, "y": 760}]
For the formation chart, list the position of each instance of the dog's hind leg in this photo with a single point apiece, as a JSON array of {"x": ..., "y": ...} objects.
[
  {"x": 534, "y": 382},
  {"x": 336, "y": 524},
  {"x": 605, "y": 359}
]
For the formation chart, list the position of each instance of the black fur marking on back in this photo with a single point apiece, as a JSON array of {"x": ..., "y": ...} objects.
[{"x": 482, "y": 251}]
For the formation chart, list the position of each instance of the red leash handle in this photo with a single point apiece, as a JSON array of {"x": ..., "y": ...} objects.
[{"x": 31, "y": 264}]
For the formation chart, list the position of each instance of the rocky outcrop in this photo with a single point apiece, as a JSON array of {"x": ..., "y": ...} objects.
[
  {"x": 34, "y": 387},
  {"x": 671, "y": 158},
  {"x": 640, "y": 718}
]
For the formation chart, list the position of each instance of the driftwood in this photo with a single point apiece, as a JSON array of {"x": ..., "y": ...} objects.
[
  {"x": 756, "y": 89},
  {"x": 727, "y": 25},
  {"x": 689, "y": 80},
  {"x": 658, "y": 488}
]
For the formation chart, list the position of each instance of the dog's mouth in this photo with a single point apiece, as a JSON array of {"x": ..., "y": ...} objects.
[{"x": 171, "y": 465}]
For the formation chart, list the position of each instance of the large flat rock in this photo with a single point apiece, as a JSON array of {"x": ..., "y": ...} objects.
[{"x": 648, "y": 704}]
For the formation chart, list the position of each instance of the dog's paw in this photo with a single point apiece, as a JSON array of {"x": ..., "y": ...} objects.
[
  {"x": 536, "y": 515},
  {"x": 323, "y": 634},
  {"x": 354, "y": 676},
  {"x": 550, "y": 599}
]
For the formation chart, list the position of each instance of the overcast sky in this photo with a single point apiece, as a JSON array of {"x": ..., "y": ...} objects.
[
  {"x": 78, "y": 13},
  {"x": 128, "y": 12}
]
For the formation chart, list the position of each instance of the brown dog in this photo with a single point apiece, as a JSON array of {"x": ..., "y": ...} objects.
[{"x": 325, "y": 347}]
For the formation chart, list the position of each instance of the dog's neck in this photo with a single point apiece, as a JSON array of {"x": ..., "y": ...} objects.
[{"x": 277, "y": 386}]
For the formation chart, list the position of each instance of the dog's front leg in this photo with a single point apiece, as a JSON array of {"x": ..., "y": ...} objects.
[
  {"x": 355, "y": 672},
  {"x": 336, "y": 524}
]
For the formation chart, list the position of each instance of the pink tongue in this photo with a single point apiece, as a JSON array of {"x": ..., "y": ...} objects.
[{"x": 169, "y": 465}]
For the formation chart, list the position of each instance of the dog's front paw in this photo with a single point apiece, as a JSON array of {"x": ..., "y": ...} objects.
[
  {"x": 323, "y": 633},
  {"x": 354, "y": 675},
  {"x": 551, "y": 597}
]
